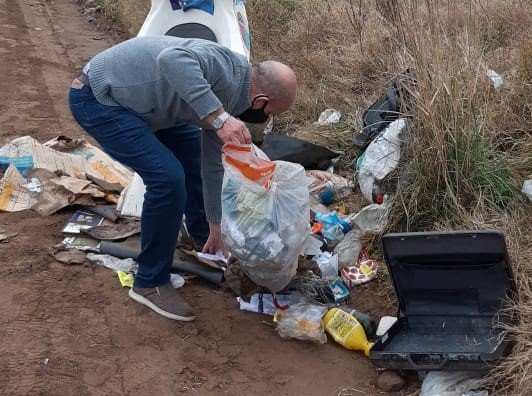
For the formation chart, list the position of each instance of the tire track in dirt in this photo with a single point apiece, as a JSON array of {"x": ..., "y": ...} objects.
[{"x": 21, "y": 82}]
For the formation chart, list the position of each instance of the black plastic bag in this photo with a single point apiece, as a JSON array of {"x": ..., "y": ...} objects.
[
  {"x": 287, "y": 148},
  {"x": 388, "y": 108}
]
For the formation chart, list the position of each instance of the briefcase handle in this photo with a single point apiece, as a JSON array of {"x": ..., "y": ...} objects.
[{"x": 422, "y": 367}]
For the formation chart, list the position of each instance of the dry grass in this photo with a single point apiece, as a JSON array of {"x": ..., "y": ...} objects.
[
  {"x": 469, "y": 147},
  {"x": 130, "y": 14}
]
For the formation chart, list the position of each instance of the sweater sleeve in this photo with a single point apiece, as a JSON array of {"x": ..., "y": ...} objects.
[
  {"x": 212, "y": 173},
  {"x": 183, "y": 71}
]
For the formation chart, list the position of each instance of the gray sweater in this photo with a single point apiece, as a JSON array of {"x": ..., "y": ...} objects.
[{"x": 165, "y": 79}]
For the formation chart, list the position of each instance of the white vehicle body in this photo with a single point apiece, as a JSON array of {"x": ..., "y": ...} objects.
[{"x": 227, "y": 25}]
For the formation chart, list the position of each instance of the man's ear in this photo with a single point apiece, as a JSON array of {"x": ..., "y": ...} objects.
[{"x": 260, "y": 102}]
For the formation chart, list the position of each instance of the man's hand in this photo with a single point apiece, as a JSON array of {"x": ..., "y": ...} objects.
[
  {"x": 234, "y": 131},
  {"x": 214, "y": 243}
]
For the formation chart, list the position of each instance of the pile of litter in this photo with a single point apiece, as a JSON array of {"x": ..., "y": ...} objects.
[{"x": 296, "y": 254}]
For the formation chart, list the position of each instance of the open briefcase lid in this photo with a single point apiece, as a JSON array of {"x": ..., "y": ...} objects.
[{"x": 462, "y": 273}]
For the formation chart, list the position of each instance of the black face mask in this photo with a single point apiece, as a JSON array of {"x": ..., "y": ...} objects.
[{"x": 254, "y": 116}]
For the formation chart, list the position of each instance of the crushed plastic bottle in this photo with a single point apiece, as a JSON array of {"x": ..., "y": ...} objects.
[{"x": 334, "y": 227}]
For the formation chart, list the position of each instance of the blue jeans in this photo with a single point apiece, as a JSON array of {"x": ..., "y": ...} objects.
[{"x": 169, "y": 162}]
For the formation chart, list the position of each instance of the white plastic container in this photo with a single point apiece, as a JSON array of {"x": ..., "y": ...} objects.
[{"x": 228, "y": 24}]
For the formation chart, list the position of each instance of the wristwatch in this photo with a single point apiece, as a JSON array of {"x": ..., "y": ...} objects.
[{"x": 219, "y": 121}]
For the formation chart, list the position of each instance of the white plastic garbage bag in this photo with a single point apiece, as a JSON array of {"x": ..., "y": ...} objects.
[
  {"x": 450, "y": 383},
  {"x": 380, "y": 158},
  {"x": 372, "y": 218},
  {"x": 265, "y": 215},
  {"x": 348, "y": 249},
  {"x": 328, "y": 264}
]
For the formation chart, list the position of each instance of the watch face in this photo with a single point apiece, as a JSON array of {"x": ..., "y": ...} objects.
[{"x": 217, "y": 123}]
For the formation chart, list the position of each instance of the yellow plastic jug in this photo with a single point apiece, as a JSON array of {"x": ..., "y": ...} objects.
[{"x": 346, "y": 330}]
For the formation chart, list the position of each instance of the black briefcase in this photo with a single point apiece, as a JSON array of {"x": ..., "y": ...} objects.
[{"x": 452, "y": 289}]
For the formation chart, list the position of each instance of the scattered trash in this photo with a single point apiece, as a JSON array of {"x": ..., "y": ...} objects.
[
  {"x": 213, "y": 257},
  {"x": 348, "y": 248},
  {"x": 132, "y": 198},
  {"x": 312, "y": 246},
  {"x": 286, "y": 148},
  {"x": 81, "y": 243},
  {"x": 6, "y": 236},
  {"x": 126, "y": 280},
  {"x": 14, "y": 197},
  {"x": 106, "y": 211},
  {"x": 316, "y": 207},
  {"x": 269, "y": 127},
  {"x": 365, "y": 320},
  {"x": 116, "y": 264},
  {"x": 391, "y": 381},
  {"x": 380, "y": 158},
  {"x": 328, "y": 117},
  {"x": 53, "y": 197},
  {"x": 313, "y": 288},
  {"x": 73, "y": 157},
  {"x": 385, "y": 324},
  {"x": 71, "y": 256},
  {"x": 334, "y": 227},
  {"x": 496, "y": 79},
  {"x": 217, "y": 261},
  {"x": 82, "y": 220},
  {"x": 113, "y": 231},
  {"x": 78, "y": 186},
  {"x": 302, "y": 321},
  {"x": 451, "y": 383},
  {"x": 130, "y": 249},
  {"x": 328, "y": 264},
  {"x": 264, "y": 303},
  {"x": 238, "y": 281},
  {"x": 34, "y": 185},
  {"x": 364, "y": 270},
  {"x": 346, "y": 330},
  {"x": 50, "y": 176},
  {"x": 265, "y": 215},
  {"x": 105, "y": 185},
  {"x": 328, "y": 187},
  {"x": 371, "y": 218},
  {"x": 527, "y": 188},
  {"x": 46, "y": 361},
  {"x": 339, "y": 291},
  {"x": 395, "y": 103},
  {"x": 177, "y": 281}
]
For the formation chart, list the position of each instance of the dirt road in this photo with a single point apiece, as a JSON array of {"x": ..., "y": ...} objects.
[{"x": 73, "y": 330}]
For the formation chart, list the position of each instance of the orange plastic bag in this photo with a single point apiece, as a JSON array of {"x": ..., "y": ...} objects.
[{"x": 252, "y": 167}]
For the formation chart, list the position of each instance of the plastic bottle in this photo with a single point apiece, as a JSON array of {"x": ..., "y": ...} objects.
[
  {"x": 346, "y": 330},
  {"x": 367, "y": 322},
  {"x": 333, "y": 235},
  {"x": 377, "y": 194}
]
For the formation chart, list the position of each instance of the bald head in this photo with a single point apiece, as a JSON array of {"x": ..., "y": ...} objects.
[{"x": 278, "y": 82}]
